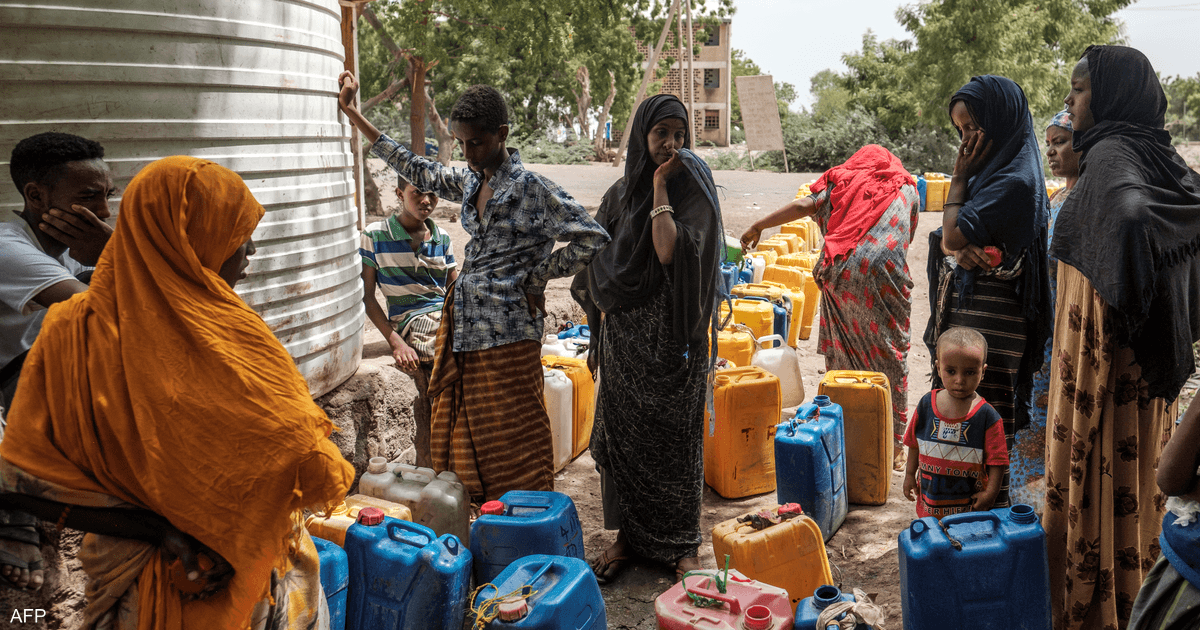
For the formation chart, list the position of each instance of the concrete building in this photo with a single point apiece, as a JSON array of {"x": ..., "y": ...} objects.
[{"x": 712, "y": 77}]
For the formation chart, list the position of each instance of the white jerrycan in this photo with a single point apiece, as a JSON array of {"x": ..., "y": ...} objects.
[
  {"x": 784, "y": 363},
  {"x": 559, "y": 404}
]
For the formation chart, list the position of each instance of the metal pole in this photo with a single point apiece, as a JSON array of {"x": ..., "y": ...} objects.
[
  {"x": 691, "y": 80},
  {"x": 650, "y": 69}
]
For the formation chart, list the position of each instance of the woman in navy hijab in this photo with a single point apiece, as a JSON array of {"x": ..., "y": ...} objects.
[{"x": 987, "y": 264}]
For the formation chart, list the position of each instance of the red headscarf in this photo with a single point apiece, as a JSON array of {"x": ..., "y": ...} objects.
[{"x": 863, "y": 188}]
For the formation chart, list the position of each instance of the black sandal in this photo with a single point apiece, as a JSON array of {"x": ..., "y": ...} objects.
[{"x": 17, "y": 529}]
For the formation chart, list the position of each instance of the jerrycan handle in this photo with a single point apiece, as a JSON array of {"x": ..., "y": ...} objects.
[
  {"x": 405, "y": 471},
  {"x": 735, "y": 607},
  {"x": 761, "y": 340},
  {"x": 399, "y": 531}
]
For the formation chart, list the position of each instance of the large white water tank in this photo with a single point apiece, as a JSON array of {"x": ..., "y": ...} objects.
[{"x": 249, "y": 84}]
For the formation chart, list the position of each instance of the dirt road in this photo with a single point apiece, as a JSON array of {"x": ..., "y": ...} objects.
[{"x": 863, "y": 552}]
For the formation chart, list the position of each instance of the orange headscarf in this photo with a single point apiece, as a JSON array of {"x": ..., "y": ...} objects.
[
  {"x": 161, "y": 387},
  {"x": 863, "y": 188}
]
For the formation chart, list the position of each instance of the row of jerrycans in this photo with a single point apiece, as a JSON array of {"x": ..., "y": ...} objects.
[
  {"x": 836, "y": 450},
  {"x": 742, "y": 604},
  {"x": 394, "y": 574}
]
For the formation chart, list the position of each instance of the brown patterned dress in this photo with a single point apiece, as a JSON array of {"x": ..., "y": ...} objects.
[{"x": 1103, "y": 508}]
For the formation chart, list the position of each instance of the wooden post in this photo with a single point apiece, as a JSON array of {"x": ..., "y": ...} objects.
[
  {"x": 679, "y": 57},
  {"x": 416, "y": 114},
  {"x": 650, "y": 69},
  {"x": 691, "y": 80},
  {"x": 350, "y": 43}
]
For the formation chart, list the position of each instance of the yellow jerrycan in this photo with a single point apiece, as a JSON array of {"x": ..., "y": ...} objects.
[
  {"x": 866, "y": 400},
  {"x": 792, "y": 277},
  {"x": 333, "y": 526},
  {"x": 790, "y": 299},
  {"x": 789, "y": 553},
  {"x": 792, "y": 240},
  {"x": 736, "y": 344},
  {"x": 768, "y": 256},
  {"x": 739, "y": 444},
  {"x": 583, "y": 398},
  {"x": 780, "y": 247},
  {"x": 758, "y": 316},
  {"x": 800, "y": 229}
]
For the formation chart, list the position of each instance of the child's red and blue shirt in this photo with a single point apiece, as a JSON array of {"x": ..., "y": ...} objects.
[{"x": 954, "y": 454}]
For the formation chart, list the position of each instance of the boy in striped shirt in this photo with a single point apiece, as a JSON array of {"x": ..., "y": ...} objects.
[{"x": 412, "y": 263}]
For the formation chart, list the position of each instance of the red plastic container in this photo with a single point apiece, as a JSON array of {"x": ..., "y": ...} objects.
[{"x": 745, "y": 605}]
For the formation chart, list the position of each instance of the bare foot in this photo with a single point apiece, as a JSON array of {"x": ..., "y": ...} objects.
[
  {"x": 690, "y": 563},
  {"x": 27, "y": 554},
  {"x": 612, "y": 561}
]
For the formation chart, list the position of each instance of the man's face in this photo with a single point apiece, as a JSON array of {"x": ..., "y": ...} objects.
[
  {"x": 86, "y": 183},
  {"x": 483, "y": 151}
]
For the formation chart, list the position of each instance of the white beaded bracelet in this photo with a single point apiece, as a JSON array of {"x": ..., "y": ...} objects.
[{"x": 661, "y": 209}]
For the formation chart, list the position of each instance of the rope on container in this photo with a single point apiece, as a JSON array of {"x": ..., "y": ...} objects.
[
  {"x": 721, "y": 579},
  {"x": 489, "y": 609}
]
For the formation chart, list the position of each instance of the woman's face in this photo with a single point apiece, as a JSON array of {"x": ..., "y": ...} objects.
[
  {"x": 419, "y": 205},
  {"x": 665, "y": 138},
  {"x": 1079, "y": 99},
  {"x": 234, "y": 268},
  {"x": 960, "y": 114},
  {"x": 1064, "y": 160}
]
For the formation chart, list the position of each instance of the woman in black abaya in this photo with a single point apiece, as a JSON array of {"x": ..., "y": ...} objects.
[{"x": 653, "y": 293}]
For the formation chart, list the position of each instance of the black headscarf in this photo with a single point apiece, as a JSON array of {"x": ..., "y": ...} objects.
[
  {"x": 628, "y": 273},
  {"x": 1132, "y": 222},
  {"x": 1006, "y": 204}
]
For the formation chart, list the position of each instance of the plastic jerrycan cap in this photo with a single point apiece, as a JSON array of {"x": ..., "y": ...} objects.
[
  {"x": 370, "y": 516},
  {"x": 494, "y": 508},
  {"x": 758, "y": 617},
  {"x": 513, "y": 608}
]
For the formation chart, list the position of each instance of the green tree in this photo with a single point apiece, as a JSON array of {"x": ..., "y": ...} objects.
[
  {"x": 1183, "y": 106},
  {"x": 830, "y": 95}
]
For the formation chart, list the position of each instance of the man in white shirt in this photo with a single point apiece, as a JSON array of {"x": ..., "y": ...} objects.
[{"x": 47, "y": 253}]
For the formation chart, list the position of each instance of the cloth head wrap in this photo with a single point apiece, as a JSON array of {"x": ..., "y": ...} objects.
[
  {"x": 628, "y": 273},
  {"x": 159, "y": 386},
  {"x": 1132, "y": 223},
  {"x": 1061, "y": 119},
  {"x": 863, "y": 188}
]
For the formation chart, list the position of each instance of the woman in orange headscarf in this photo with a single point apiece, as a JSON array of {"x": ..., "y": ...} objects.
[
  {"x": 867, "y": 211},
  {"x": 158, "y": 412}
]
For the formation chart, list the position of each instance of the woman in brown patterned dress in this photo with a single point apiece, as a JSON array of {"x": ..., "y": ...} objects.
[{"x": 1127, "y": 240}]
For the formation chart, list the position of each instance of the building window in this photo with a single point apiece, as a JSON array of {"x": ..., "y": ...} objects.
[
  {"x": 714, "y": 38},
  {"x": 712, "y": 119},
  {"x": 712, "y": 78}
]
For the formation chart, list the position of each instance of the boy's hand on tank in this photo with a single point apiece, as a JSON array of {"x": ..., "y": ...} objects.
[
  {"x": 910, "y": 487},
  {"x": 347, "y": 88}
]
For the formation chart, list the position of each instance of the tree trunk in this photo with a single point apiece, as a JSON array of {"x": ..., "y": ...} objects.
[
  {"x": 416, "y": 116},
  {"x": 445, "y": 138},
  {"x": 583, "y": 100},
  {"x": 598, "y": 141},
  {"x": 371, "y": 199}
]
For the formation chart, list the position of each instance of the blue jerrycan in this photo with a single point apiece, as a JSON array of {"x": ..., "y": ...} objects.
[
  {"x": 810, "y": 463},
  {"x": 979, "y": 570},
  {"x": 809, "y": 608},
  {"x": 543, "y": 593},
  {"x": 403, "y": 576},
  {"x": 582, "y": 332},
  {"x": 523, "y": 523},
  {"x": 335, "y": 578}
]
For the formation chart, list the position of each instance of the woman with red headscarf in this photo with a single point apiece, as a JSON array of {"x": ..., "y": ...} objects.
[{"x": 867, "y": 210}]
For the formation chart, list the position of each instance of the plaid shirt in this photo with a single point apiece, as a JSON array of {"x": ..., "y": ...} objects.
[{"x": 511, "y": 251}]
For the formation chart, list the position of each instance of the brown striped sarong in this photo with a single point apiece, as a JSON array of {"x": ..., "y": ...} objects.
[
  {"x": 995, "y": 310},
  {"x": 490, "y": 425}
]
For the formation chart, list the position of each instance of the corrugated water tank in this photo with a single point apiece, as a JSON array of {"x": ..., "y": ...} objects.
[{"x": 249, "y": 84}]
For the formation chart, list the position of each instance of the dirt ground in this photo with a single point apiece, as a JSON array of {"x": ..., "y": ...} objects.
[{"x": 863, "y": 552}]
